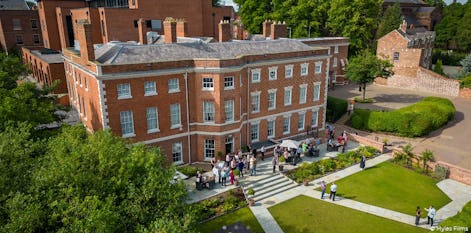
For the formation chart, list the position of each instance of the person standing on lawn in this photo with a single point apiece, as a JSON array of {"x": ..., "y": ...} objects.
[
  {"x": 333, "y": 191},
  {"x": 363, "y": 162},
  {"x": 323, "y": 187},
  {"x": 431, "y": 215},
  {"x": 417, "y": 215}
]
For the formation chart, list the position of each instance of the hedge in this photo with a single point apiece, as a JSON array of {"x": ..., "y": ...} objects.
[
  {"x": 415, "y": 120},
  {"x": 335, "y": 108},
  {"x": 311, "y": 171}
]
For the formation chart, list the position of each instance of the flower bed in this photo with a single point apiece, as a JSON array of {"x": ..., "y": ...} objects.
[
  {"x": 219, "y": 205},
  {"x": 314, "y": 170}
]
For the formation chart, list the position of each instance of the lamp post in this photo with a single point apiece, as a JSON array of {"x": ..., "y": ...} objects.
[{"x": 309, "y": 31}]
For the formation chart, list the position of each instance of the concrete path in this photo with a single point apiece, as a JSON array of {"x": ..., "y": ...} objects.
[{"x": 459, "y": 193}]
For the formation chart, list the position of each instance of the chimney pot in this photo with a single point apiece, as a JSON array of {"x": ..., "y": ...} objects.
[
  {"x": 224, "y": 31},
  {"x": 170, "y": 30},
  {"x": 85, "y": 38}
]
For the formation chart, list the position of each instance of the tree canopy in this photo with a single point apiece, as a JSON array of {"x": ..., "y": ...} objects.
[
  {"x": 454, "y": 30},
  {"x": 365, "y": 67},
  {"x": 390, "y": 20}
]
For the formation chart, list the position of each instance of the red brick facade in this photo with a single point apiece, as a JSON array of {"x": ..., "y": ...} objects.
[
  {"x": 19, "y": 28},
  {"x": 94, "y": 91}
]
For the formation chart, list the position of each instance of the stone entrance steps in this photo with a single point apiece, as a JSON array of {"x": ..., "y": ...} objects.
[{"x": 268, "y": 185}]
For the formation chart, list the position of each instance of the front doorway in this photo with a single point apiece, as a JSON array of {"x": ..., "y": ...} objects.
[{"x": 229, "y": 145}]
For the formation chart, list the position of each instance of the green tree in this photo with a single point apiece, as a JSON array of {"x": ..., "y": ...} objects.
[
  {"x": 11, "y": 69},
  {"x": 356, "y": 19},
  {"x": 365, "y": 67},
  {"x": 437, "y": 3},
  {"x": 98, "y": 183},
  {"x": 390, "y": 20},
  {"x": 409, "y": 155},
  {"x": 439, "y": 67},
  {"x": 447, "y": 29},
  {"x": 466, "y": 63},
  {"x": 427, "y": 155},
  {"x": 464, "y": 29},
  {"x": 254, "y": 12}
]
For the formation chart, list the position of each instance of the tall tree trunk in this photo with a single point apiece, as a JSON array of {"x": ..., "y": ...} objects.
[{"x": 364, "y": 91}]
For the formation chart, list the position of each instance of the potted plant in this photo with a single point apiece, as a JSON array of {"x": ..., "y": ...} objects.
[
  {"x": 220, "y": 155},
  {"x": 251, "y": 192},
  {"x": 282, "y": 161}
]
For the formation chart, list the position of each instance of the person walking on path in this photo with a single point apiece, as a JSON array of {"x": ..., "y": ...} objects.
[
  {"x": 231, "y": 175},
  {"x": 254, "y": 152},
  {"x": 274, "y": 161},
  {"x": 323, "y": 187},
  {"x": 240, "y": 166},
  {"x": 262, "y": 152},
  {"x": 252, "y": 165},
  {"x": 363, "y": 162},
  {"x": 333, "y": 191},
  {"x": 224, "y": 175},
  {"x": 417, "y": 215},
  {"x": 431, "y": 215}
]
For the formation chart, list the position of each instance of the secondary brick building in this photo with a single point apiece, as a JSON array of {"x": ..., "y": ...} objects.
[
  {"x": 116, "y": 21},
  {"x": 417, "y": 13},
  {"x": 194, "y": 99},
  {"x": 19, "y": 26}
]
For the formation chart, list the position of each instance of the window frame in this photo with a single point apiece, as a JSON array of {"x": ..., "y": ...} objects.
[
  {"x": 272, "y": 92},
  {"x": 231, "y": 118},
  {"x": 290, "y": 89},
  {"x": 318, "y": 96},
  {"x": 290, "y": 68},
  {"x": 173, "y": 90},
  {"x": 34, "y": 39},
  {"x": 209, "y": 116},
  {"x": 274, "y": 70},
  {"x": 174, "y": 125},
  {"x": 155, "y": 121},
  {"x": 318, "y": 67},
  {"x": 303, "y": 99},
  {"x": 252, "y": 95},
  {"x": 335, "y": 61},
  {"x": 254, "y": 132},
  {"x": 121, "y": 95},
  {"x": 316, "y": 114},
  {"x": 209, "y": 148},
  {"x": 152, "y": 91},
  {"x": 19, "y": 39},
  {"x": 16, "y": 24},
  {"x": 124, "y": 120},
  {"x": 228, "y": 87},
  {"x": 207, "y": 83},
  {"x": 179, "y": 147},
  {"x": 396, "y": 56},
  {"x": 255, "y": 72},
  {"x": 304, "y": 66},
  {"x": 272, "y": 135},
  {"x": 303, "y": 114},
  {"x": 287, "y": 126},
  {"x": 35, "y": 24}
]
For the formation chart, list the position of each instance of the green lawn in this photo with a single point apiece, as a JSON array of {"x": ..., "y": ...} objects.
[
  {"x": 392, "y": 187},
  {"x": 243, "y": 215},
  {"x": 305, "y": 214}
]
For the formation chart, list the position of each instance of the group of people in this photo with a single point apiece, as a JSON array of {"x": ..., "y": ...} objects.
[
  {"x": 234, "y": 161},
  {"x": 342, "y": 139},
  {"x": 333, "y": 190},
  {"x": 430, "y": 215}
]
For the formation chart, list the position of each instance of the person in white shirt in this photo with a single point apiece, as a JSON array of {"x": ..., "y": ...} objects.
[
  {"x": 431, "y": 215},
  {"x": 333, "y": 191},
  {"x": 262, "y": 151}
]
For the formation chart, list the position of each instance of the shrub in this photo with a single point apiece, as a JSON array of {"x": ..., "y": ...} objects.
[
  {"x": 189, "y": 170},
  {"x": 466, "y": 82},
  {"x": 335, "y": 108},
  {"x": 441, "y": 172},
  {"x": 415, "y": 120}
]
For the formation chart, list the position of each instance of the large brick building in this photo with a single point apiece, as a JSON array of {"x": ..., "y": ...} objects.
[
  {"x": 194, "y": 99},
  {"x": 114, "y": 21},
  {"x": 19, "y": 25}
]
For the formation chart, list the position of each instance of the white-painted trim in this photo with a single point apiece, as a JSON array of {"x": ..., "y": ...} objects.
[
  {"x": 275, "y": 69},
  {"x": 304, "y": 65},
  {"x": 289, "y": 67},
  {"x": 104, "y": 112}
]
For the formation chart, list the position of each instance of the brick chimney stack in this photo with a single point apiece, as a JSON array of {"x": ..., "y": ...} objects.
[
  {"x": 267, "y": 28},
  {"x": 239, "y": 31},
  {"x": 224, "y": 31},
  {"x": 278, "y": 30},
  {"x": 182, "y": 28},
  {"x": 170, "y": 30},
  {"x": 403, "y": 26},
  {"x": 85, "y": 38},
  {"x": 141, "y": 25}
]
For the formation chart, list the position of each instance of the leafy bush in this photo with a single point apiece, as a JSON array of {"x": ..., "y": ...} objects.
[
  {"x": 311, "y": 171},
  {"x": 335, "y": 108},
  {"x": 441, "y": 172},
  {"x": 466, "y": 82},
  {"x": 189, "y": 170},
  {"x": 450, "y": 59},
  {"x": 415, "y": 120}
]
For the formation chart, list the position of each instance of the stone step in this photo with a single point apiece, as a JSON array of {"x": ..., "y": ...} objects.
[
  {"x": 257, "y": 187},
  {"x": 272, "y": 186},
  {"x": 274, "y": 192}
]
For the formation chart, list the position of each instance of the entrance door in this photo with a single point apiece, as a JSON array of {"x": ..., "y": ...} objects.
[{"x": 229, "y": 145}]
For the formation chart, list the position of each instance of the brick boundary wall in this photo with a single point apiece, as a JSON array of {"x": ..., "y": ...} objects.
[
  {"x": 425, "y": 80},
  {"x": 456, "y": 173},
  {"x": 367, "y": 142},
  {"x": 465, "y": 93}
]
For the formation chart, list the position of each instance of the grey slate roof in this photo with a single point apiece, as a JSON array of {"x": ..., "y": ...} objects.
[
  {"x": 13, "y": 5},
  {"x": 126, "y": 53}
]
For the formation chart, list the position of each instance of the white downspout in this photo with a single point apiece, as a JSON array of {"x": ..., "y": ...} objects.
[{"x": 187, "y": 116}]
